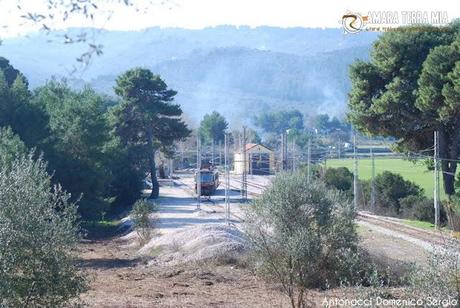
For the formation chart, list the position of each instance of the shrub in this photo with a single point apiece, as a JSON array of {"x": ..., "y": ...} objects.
[
  {"x": 302, "y": 235},
  {"x": 11, "y": 146},
  {"x": 340, "y": 178},
  {"x": 38, "y": 236},
  {"x": 390, "y": 189},
  {"x": 440, "y": 279},
  {"x": 420, "y": 208},
  {"x": 143, "y": 223}
]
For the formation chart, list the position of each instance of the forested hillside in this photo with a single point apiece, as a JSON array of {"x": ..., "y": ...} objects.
[{"x": 219, "y": 68}]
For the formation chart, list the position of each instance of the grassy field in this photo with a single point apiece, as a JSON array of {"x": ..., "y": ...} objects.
[{"x": 415, "y": 172}]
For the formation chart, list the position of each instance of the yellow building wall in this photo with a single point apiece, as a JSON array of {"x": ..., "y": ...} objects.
[{"x": 239, "y": 161}]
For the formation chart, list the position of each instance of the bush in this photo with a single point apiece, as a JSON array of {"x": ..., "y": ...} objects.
[
  {"x": 11, "y": 146},
  {"x": 143, "y": 223},
  {"x": 38, "y": 236},
  {"x": 340, "y": 178},
  {"x": 420, "y": 208},
  {"x": 390, "y": 190},
  {"x": 303, "y": 235},
  {"x": 391, "y": 187},
  {"x": 440, "y": 279}
]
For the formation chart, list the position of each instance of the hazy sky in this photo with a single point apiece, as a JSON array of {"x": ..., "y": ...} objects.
[{"x": 202, "y": 13}]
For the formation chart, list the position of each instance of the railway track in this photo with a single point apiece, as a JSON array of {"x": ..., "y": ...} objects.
[
  {"x": 432, "y": 237},
  {"x": 191, "y": 191}
]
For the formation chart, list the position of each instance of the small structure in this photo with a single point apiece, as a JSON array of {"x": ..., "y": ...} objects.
[{"x": 260, "y": 160}]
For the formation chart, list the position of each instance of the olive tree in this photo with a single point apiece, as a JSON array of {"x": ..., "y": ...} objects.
[
  {"x": 38, "y": 235},
  {"x": 302, "y": 234}
]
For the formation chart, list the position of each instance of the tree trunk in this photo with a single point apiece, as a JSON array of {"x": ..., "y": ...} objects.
[
  {"x": 448, "y": 153},
  {"x": 161, "y": 171},
  {"x": 153, "y": 173}
]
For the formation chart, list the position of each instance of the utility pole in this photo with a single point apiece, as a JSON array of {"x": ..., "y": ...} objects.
[
  {"x": 284, "y": 149},
  {"x": 282, "y": 152},
  {"x": 373, "y": 181},
  {"x": 227, "y": 181},
  {"x": 309, "y": 159},
  {"x": 436, "y": 180},
  {"x": 325, "y": 161},
  {"x": 198, "y": 172},
  {"x": 294, "y": 162},
  {"x": 244, "y": 186},
  {"x": 355, "y": 174},
  {"x": 212, "y": 152},
  {"x": 338, "y": 151},
  {"x": 220, "y": 152}
]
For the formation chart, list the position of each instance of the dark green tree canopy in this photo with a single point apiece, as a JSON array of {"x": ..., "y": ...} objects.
[
  {"x": 407, "y": 91},
  {"x": 146, "y": 120},
  {"x": 10, "y": 73},
  {"x": 11, "y": 147},
  {"x": 213, "y": 127},
  {"x": 74, "y": 147},
  {"x": 278, "y": 122}
]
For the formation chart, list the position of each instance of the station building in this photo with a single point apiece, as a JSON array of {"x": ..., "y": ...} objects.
[{"x": 260, "y": 160}]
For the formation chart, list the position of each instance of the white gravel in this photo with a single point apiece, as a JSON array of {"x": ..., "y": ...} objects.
[
  {"x": 184, "y": 233},
  {"x": 196, "y": 243}
]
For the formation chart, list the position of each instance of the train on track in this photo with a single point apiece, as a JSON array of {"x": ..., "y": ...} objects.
[{"x": 209, "y": 179}]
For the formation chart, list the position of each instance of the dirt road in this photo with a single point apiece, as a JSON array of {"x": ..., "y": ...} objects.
[{"x": 122, "y": 278}]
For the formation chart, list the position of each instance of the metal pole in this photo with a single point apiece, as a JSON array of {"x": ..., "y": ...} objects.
[
  {"x": 373, "y": 181},
  {"x": 198, "y": 172},
  {"x": 212, "y": 153},
  {"x": 308, "y": 159},
  {"x": 325, "y": 161},
  {"x": 227, "y": 181},
  {"x": 294, "y": 162},
  {"x": 282, "y": 152},
  {"x": 220, "y": 152},
  {"x": 244, "y": 195},
  {"x": 436, "y": 180},
  {"x": 355, "y": 174},
  {"x": 285, "y": 149}
]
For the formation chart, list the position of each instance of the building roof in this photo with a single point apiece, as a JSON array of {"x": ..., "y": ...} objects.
[
  {"x": 253, "y": 145},
  {"x": 250, "y": 146}
]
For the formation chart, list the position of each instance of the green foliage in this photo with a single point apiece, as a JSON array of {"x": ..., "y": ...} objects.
[
  {"x": 302, "y": 234},
  {"x": 440, "y": 278},
  {"x": 279, "y": 122},
  {"x": 74, "y": 147},
  {"x": 11, "y": 147},
  {"x": 213, "y": 127},
  {"x": 409, "y": 89},
  {"x": 146, "y": 120},
  {"x": 39, "y": 234},
  {"x": 16, "y": 109},
  {"x": 143, "y": 222},
  {"x": 391, "y": 188},
  {"x": 324, "y": 123},
  {"x": 10, "y": 73},
  {"x": 420, "y": 208},
  {"x": 125, "y": 173},
  {"x": 340, "y": 178}
]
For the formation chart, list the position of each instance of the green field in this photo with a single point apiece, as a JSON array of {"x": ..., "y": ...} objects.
[{"x": 415, "y": 172}]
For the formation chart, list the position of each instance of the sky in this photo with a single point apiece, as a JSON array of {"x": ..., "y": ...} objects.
[{"x": 196, "y": 14}]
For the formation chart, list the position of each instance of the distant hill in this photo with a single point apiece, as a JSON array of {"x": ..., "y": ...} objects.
[{"x": 235, "y": 70}]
